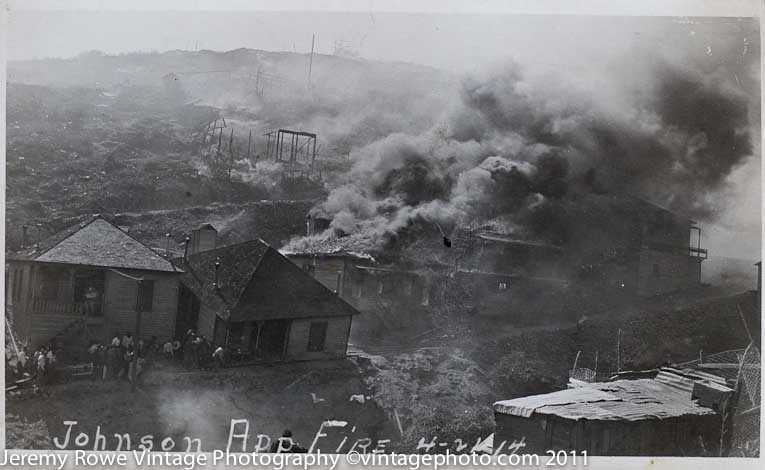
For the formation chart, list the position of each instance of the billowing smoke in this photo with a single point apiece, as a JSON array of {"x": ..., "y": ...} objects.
[{"x": 512, "y": 148}]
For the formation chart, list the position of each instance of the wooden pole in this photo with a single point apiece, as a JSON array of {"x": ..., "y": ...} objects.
[
  {"x": 310, "y": 62},
  {"x": 137, "y": 336},
  {"x": 743, "y": 322},
  {"x": 249, "y": 141}
]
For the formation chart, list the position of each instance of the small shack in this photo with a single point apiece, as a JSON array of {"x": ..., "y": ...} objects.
[
  {"x": 672, "y": 413},
  {"x": 261, "y": 307}
]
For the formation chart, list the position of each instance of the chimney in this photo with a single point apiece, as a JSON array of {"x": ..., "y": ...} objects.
[
  {"x": 24, "y": 239},
  {"x": 203, "y": 238},
  {"x": 317, "y": 221}
]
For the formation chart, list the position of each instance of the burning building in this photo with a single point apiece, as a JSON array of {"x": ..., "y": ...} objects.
[
  {"x": 581, "y": 196},
  {"x": 393, "y": 297},
  {"x": 615, "y": 245},
  {"x": 637, "y": 247}
]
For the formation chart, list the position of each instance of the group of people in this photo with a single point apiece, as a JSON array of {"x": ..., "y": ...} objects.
[
  {"x": 122, "y": 358},
  {"x": 41, "y": 364},
  {"x": 196, "y": 352}
]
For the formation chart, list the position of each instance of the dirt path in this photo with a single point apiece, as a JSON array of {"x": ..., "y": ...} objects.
[{"x": 202, "y": 405}]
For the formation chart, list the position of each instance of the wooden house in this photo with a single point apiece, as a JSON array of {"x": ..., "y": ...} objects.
[
  {"x": 90, "y": 278},
  {"x": 262, "y": 307}
]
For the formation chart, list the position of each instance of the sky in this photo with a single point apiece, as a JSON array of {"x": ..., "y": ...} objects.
[{"x": 600, "y": 55}]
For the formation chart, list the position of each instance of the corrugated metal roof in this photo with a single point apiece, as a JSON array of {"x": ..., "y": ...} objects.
[
  {"x": 674, "y": 380},
  {"x": 666, "y": 396},
  {"x": 527, "y": 405}
]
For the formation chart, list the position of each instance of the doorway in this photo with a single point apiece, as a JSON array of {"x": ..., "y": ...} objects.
[
  {"x": 188, "y": 312},
  {"x": 272, "y": 340}
]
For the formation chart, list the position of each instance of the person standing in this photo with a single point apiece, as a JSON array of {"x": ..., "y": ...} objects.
[
  {"x": 99, "y": 359},
  {"x": 177, "y": 349},
  {"x": 188, "y": 350},
  {"x": 92, "y": 304},
  {"x": 41, "y": 368},
  {"x": 217, "y": 356},
  {"x": 129, "y": 363},
  {"x": 167, "y": 349},
  {"x": 50, "y": 358},
  {"x": 22, "y": 360},
  {"x": 127, "y": 341}
]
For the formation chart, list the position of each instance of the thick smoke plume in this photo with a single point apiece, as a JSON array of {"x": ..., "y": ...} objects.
[{"x": 519, "y": 150}]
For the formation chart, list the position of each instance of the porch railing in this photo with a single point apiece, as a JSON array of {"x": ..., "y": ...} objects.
[{"x": 54, "y": 307}]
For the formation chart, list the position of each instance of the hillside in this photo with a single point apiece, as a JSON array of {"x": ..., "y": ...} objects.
[{"x": 109, "y": 134}]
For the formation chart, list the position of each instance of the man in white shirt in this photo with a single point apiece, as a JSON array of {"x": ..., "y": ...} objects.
[
  {"x": 167, "y": 349},
  {"x": 23, "y": 359}
]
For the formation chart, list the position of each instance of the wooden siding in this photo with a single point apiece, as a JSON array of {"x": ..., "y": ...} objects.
[
  {"x": 660, "y": 272},
  {"x": 206, "y": 322},
  {"x": 119, "y": 306},
  {"x": 684, "y": 435},
  {"x": 45, "y": 327},
  {"x": 330, "y": 271},
  {"x": 334, "y": 345}
]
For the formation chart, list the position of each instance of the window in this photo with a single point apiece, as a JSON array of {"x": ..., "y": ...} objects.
[
  {"x": 317, "y": 335},
  {"x": 502, "y": 286},
  {"x": 656, "y": 271},
  {"x": 49, "y": 281},
  {"x": 380, "y": 287},
  {"x": 145, "y": 298}
]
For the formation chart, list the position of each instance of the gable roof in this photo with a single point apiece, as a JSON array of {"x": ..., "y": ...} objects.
[
  {"x": 255, "y": 282},
  {"x": 237, "y": 265},
  {"x": 98, "y": 243}
]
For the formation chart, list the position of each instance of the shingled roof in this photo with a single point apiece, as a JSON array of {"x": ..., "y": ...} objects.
[
  {"x": 255, "y": 282},
  {"x": 97, "y": 243}
]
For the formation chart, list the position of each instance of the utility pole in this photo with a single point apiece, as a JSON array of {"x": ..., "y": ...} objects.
[
  {"x": 258, "y": 90},
  {"x": 134, "y": 361},
  {"x": 619, "y": 351},
  {"x": 310, "y": 62},
  {"x": 231, "y": 156}
]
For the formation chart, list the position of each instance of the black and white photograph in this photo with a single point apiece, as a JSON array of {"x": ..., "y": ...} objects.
[{"x": 371, "y": 231}]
